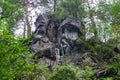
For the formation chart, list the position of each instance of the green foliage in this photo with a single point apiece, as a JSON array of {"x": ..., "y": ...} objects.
[
  {"x": 107, "y": 49},
  {"x": 11, "y": 12},
  {"x": 115, "y": 68},
  {"x": 103, "y": 11},
  {"x": 15, "y": 58},
  {"x": 16, "y": 62},
  {"x": 67, "y": 72},
  {"x": 9, "y": 55},
  {"x": 115, "y": 12},
  {"x": 92, "y": 44},
  {"x": 87, "y": 74},
  {"x": 107, "y": 79},
  {"x": 60, "y": 13},
  {"x": 70, "y": 72},
  {"x": 66, "y": 8}
]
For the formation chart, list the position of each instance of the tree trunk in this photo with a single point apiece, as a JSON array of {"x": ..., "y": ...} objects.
[
  {"x": 91, "y": 15},
  {"x": 26, "y": 22},
  {"x": 55, "y": 5}
]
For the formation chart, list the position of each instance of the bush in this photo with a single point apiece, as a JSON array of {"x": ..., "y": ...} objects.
[
  {"x": 15, "y": 59},
  {"x": 67, "y": 72},
  {"x": 70, "y": 72}
]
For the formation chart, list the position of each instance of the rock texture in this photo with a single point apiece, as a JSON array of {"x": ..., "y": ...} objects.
[{"x": 55, "y": 39}]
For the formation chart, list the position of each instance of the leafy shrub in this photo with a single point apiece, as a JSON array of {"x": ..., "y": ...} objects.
[
  {"x": 15, "y": 59},
  {"x": 115, "y": 67},
  {"x": 67, "y": 72},
  {"x": 107, "y": 79},
  {"x": 70, "y": 72}
]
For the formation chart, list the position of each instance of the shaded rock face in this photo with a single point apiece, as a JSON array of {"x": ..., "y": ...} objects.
[{"x": 53, "y": 39}]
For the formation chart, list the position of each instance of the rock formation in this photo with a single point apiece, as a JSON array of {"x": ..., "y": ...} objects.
[{"x": 55, "y": 39}]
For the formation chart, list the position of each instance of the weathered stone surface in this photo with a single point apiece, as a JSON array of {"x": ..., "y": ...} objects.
[{"x": 53, "y": 39}]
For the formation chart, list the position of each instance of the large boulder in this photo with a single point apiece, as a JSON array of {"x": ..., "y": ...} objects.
[{"x": 51, "y": 35}]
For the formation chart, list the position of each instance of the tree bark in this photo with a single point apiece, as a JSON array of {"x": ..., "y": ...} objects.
[
  {"x": 26, "y": 22},
  {"x": 91, "y": 15}
]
